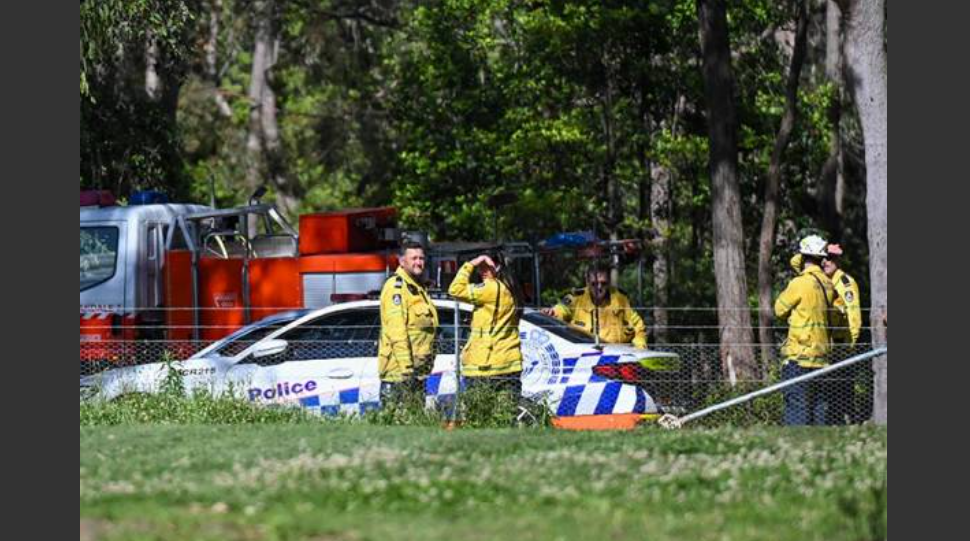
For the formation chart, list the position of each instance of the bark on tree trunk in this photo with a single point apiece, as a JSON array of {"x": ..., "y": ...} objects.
[
  {"x": 153, "y": 82},
  {"x": 286, "y": 193},
  {"x": 831, "y": 194},
  {"x": 262, "y": 44},
  {"x": 868, "y": 63},
  {"x": 769, "y": 224},
  {"x": 737, "y": 352},
  {"x": 265, "y": 157},
  {"x": 660, "y": 211},
  {"x": 212, "y": 58},
  {"x": 614, "y": 203}
]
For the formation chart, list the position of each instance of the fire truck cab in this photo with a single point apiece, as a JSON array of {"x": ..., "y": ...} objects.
[
  {"x": 166, "y": 278},
  {"x": 123, "y": 255}
]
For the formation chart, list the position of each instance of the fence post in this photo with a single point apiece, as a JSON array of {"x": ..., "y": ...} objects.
[{"x": 457, "y": 407}]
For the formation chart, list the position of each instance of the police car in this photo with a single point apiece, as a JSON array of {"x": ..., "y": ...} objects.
[{"x": 326, "y": 361}]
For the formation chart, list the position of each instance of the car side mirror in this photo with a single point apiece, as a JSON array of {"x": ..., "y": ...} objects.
[{"x": 270, "y": 348}]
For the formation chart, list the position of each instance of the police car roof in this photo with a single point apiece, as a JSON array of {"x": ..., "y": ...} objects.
[{"x": 356, "y": 305}]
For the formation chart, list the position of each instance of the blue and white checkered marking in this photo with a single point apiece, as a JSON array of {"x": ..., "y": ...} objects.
[
  {"x": 578, "y": 391},
  {"x": 347, "y": 402},
  {"x": 569, "y": 387}
]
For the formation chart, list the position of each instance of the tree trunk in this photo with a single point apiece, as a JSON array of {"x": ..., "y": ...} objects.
[
  {"x": 263, "y": 145},
  {"x": 163, "y": 87},
  {"x": 153, "y": 82},
  {"x": 262, "y": 45},
  {"x": 868, "y": 62},
  {"x": 737, "y": 353},
  {"x": 769, "y": 224},
  {"x": 286, "y": 192},
  {"x": 212, "y": 58},
  {"x": 660, "y": 211},
  {"x": 831, "y": 194},
  {"x": 614, "y": 203}
]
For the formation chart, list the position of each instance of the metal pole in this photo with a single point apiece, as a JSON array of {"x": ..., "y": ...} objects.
[
  {"x": 596, "y": 327},
  {"x": 247, "y": 289},
  {"x": 640, "y": 300},
  {"x": 674, "y": 422},
  {"x": 538, "y": 275},
  {"x": 457, "y": 405}
]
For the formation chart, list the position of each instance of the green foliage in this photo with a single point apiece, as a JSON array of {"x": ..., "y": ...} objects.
[
  {"x": 480, "y": 408},
  {"x": 434, "y": 107},
  {"x": 768, "y": 410},
  {"x": 514, "y": 96},
  {"x": 406, "y": 408},
  {"x": 177, "y": 409},
  {"x": 129, "y": 139},
  {"x": 868, "y": 512}
]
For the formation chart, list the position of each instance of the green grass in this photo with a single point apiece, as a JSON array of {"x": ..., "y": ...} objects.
[{"x": 341, "y": 481}]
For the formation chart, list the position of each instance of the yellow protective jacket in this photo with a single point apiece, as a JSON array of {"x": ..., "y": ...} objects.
[
  {"x": 806, "y": 303},
  {"x": 616, "y": 323},
  {"x": 409, "y": 322},
  {"x": 848, "y": 305},
  {"x": 495, "y": 347}
]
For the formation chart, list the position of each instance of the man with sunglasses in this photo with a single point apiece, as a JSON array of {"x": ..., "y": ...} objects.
[{"x": 603, "y": 311}]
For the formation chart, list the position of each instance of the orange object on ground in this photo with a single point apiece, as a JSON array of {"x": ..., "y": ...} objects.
[{"x": 599, "y": 422}]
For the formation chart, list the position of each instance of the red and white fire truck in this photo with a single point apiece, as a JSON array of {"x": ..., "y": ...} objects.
[{"x": 190, "y": 274}]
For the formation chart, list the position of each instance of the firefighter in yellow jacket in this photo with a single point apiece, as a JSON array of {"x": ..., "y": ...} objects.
[
  {"x": 846, "y": 332},
  {"x": 847, "y": 321},
  {"x": 409, "y": 322},
  {"x": 602, "y": 310},
  {"x": 806, "y": 304},
  {"x": 493, "y": 356},
  {"x": 848, "y": 303}
]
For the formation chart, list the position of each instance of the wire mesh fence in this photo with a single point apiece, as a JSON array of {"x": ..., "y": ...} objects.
[{"x": 562, "y": 372}]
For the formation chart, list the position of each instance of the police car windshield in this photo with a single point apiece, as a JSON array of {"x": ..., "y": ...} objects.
[
  {"x": 99, "y": 255},
  {"x": 559, "y": 328},
  {"x": 248, "y": 336}
]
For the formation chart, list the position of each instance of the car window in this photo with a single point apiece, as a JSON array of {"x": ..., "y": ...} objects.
[
  {"x": 335, "y": 336},
  {"x": 99, "y": 255},
  {"x": 248, "y": 337},
  {"x": 445, "y": 343}
]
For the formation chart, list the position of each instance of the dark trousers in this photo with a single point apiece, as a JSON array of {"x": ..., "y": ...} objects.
[
  {"x": 808, "y": 403},
  {"x": 403, "y": 391},
  {"x": 411, "y": 388}
]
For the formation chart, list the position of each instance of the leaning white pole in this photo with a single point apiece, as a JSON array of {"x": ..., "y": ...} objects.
[{"x": 669, "y": 421}]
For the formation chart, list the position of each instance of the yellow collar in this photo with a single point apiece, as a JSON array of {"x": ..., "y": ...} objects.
[
  {"x": 814, "y": 270},
  {"x": 407, "y": 277}
]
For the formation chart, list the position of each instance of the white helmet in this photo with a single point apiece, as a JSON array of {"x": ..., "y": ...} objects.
[{"x": 813, "y": 245}]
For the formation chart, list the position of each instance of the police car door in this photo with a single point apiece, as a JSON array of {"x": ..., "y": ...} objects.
[
  {"x": 229, "y": 364},
  {"x": 323, "y": 366}
]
